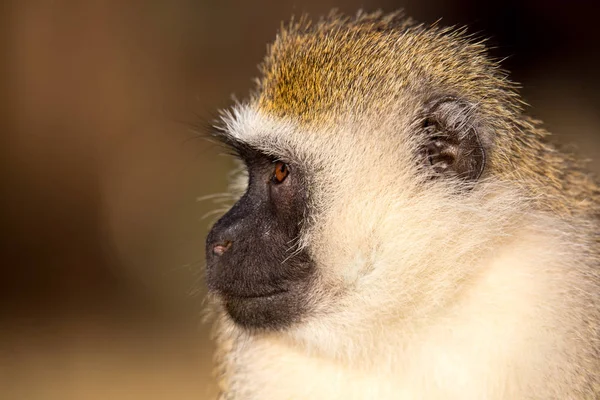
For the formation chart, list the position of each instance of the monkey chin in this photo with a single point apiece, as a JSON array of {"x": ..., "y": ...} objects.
[{"x": 270, "y": 312}]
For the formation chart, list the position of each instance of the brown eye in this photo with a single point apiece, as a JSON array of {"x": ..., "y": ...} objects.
[{"x": 281, "y": 172}]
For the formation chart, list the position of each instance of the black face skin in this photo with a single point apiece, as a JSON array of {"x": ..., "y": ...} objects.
[{"x": 252, "y": 263}]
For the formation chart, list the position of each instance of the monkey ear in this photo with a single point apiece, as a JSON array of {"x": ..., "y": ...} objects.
[{"x": 453, "y": 136}]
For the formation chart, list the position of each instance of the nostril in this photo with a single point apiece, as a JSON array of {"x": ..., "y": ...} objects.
[{"x": 220, "y": 248}]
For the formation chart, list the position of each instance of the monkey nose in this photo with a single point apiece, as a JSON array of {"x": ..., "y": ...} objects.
[{"x": 220, "y": 248}]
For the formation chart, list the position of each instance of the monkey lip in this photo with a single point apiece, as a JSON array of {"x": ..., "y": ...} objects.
[
  {"x": 250, "y": 296},
  {"x": 264, "y": 309}
]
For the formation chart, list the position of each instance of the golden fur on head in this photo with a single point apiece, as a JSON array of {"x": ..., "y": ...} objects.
[
  {"x": 426, "y": 288},
  {"x": 319, "y": 73}
]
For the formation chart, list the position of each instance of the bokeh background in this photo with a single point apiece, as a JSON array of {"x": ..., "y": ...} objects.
[{"x": 101, "y": 233}]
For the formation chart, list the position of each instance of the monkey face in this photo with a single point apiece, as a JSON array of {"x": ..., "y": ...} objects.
[
  {"x": 253, "y": 262},
  {"x": 311, "y": 229}
]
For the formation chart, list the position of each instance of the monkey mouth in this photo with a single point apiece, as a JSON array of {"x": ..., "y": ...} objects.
[
  {"x": 264, "y": 310},
  {"x": 250, "y": 296}
]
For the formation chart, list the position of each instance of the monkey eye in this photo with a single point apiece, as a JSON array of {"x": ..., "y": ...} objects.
[{"x": 281, "y": 172}]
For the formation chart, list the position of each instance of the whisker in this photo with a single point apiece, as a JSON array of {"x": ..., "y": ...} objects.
[
  {"x": 294, "y": 254},
  {"x": 213, "y": 212},
  {"x": 213, "y": 196}
]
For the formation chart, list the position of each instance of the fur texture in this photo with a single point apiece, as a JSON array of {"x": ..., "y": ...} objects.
[{"x": 427, "y": 288}]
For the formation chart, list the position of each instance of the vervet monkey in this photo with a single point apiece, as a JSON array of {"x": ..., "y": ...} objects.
[{"x": 404, "y": 230}]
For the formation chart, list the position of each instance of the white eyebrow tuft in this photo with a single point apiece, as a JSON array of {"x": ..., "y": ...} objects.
[{"x": 243, "y": 123}]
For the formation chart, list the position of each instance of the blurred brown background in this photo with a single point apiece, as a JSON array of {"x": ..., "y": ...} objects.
[{"x": 101, "y": 235}]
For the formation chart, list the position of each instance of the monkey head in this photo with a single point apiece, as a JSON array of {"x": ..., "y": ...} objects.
[{"x": 371, "y": 147}]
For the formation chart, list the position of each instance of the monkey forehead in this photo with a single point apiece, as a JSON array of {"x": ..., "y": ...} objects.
[
  {"x": 286, "y": 138},
  {"x": 314, "y": 73}
]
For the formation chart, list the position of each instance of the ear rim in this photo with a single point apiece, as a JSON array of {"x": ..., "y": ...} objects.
[{"x": 466, "y": 128}]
